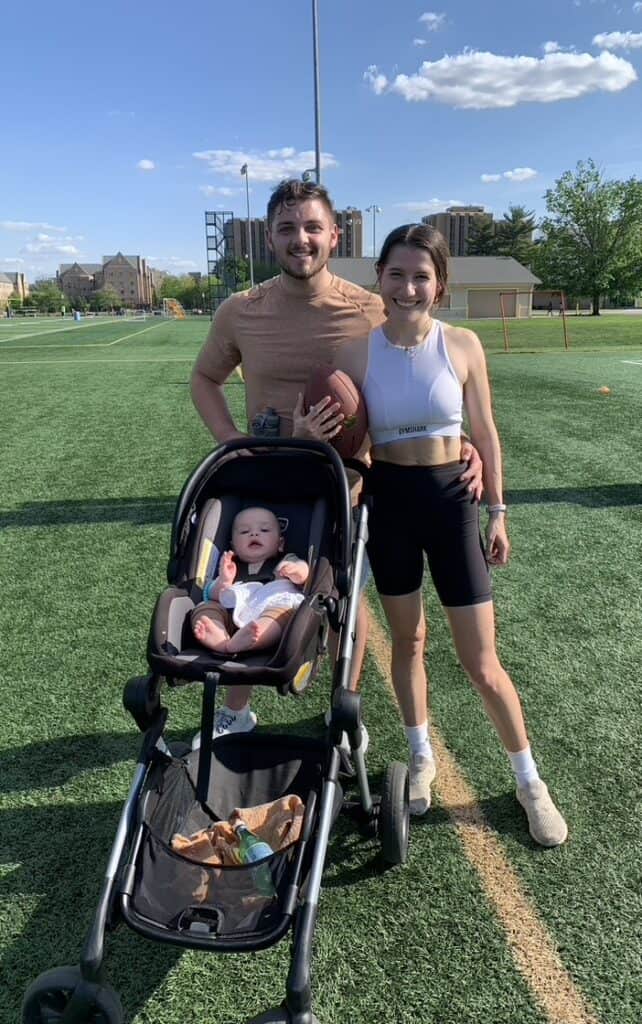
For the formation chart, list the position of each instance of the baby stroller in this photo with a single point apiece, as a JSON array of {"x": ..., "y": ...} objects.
[{"x": 175, "y": 899}]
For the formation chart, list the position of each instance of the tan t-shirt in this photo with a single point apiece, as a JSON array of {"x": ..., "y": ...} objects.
[{"x": 280, "y": 338}]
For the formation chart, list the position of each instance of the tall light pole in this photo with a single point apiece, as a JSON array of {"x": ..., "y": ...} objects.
[
  {"x": 249, "y": 223},
  {"x": 374, "y": 210},
  {"x": 317, "y": 112}
]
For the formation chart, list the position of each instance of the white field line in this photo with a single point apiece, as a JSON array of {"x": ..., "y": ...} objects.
[
  {"x": 55, "y": 330},
  {"x": 534, "y": 952},
  {"x": 90, "y": 362},
  {"x": 632, "y": 362},
  {"x": 91, "y": 344}
]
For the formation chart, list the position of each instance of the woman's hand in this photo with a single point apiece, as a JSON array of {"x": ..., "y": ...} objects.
[
  {"x": 497, "y": 542},
  {"x": 321, "y": 423},
  {"x": 472, "y": 475}
]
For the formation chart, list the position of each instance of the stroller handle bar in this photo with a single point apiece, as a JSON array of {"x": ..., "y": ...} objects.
[{"x": 326, "y": 454}]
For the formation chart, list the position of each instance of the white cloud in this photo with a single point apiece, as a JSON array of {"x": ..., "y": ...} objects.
[
  {"x": 427, "y": 205},
  {"x": 520, "y": 174},
  {"x": 213, "y": 190},
  {"x": 10, "y": 260},
  {"x": 637, "y": 7},
  {"x": 517, "y": 174},
  {"x": 419, "y": 42},
  {"x": 480, "y": 80},
  {"x": 269, "y": 166},
  {"x": 51, "y": 246},
  {"x": 551, "y": 47},
  {"x": 146, "y": 165},
  {"x": 26, "y": 225},
  {"x": 378, "y": 81},
  {"x": 171, "y": 262},
  {"x": 432, "y": 21},
  {"x": 618, "y": 40}
]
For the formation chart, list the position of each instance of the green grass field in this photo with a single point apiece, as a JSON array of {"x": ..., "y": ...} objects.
[{"x": 98, "y": 437}]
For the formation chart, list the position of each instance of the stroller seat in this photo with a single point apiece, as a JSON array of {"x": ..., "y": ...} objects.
[{"x": 299, "y": 489}]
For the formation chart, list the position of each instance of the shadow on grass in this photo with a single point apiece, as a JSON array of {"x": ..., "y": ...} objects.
[
  {"x": 590, "y": 497},
  {"x": 142, "y": 511},
  {"x": 501, "y": 814},
  {"x": 56, "y": 858},
  {"x": 152, "y": 510}
]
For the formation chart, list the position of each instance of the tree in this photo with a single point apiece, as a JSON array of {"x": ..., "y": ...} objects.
[
  {"x": 105, "y": 298},
  {"x": 593, "y": 233},
  {"x": 482, "y": 240},
  {"x": 233, "y": 272},
  {"x": 186, "y": 289},
  {"x": 46, "y": 297},
  {"x": 514, "y": 234}
]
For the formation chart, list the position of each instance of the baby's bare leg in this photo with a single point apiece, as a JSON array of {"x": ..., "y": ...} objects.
[
  {"x": 265, "y": 632},
  {"x": 211, "y": 633}
]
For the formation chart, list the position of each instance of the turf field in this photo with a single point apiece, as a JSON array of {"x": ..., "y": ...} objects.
[{"x": 480, "y": 927}]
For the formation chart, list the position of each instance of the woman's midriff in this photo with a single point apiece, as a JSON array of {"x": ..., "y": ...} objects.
[{"x": 418, "y": 451}]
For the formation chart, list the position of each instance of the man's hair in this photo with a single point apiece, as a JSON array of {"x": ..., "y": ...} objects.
[
  {"x": 419, "y": 236},
  {"x": 291, "y": 191}
]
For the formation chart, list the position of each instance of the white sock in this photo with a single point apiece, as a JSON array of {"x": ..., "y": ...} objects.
[
  {"x": 524, "y": 766},
  {"x": 241, "y": 713},
  {"x": 419, "y": 740}
]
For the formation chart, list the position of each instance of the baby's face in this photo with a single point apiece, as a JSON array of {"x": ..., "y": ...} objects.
[{"x": 256, "y": 535}]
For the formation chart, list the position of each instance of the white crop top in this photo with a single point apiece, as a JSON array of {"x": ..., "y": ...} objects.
[{"x": 411, "y": 392}]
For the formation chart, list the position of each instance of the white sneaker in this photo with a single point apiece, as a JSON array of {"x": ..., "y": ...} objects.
[
  {"x": 345, "y": 742},
  {"x": 545, "y": 823},
  {"x": 227, "y": 721},
  {"x": 422, "y": 773}
]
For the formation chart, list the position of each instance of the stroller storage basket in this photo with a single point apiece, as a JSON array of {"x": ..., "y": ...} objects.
[{"x": 224, "y": 907}]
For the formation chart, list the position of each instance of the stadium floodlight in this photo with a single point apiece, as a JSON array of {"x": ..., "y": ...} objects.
[
  {"x": 249, "y": 224},
  {"x": 374, "y": 210},
  {"x": 317, "y": 108}
]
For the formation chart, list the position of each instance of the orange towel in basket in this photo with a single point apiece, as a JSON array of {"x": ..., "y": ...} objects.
[{"x": 277, "y": 823}]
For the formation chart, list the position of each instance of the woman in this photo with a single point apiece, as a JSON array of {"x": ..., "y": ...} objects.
[{"x": 417, "y": 376}]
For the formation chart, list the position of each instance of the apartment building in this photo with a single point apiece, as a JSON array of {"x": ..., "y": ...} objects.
[
  {"x": 19, "y": 286},
  {"x": 128, "y": 276},
  {"x": 349, "y": 222},
  {"x": 455, "y": 224}
]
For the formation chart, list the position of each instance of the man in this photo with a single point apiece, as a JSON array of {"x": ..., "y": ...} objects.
[{"x": 280, "y": 330}]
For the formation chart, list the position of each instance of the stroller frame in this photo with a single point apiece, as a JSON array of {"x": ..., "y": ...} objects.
[{"x": 83, "y": 996}]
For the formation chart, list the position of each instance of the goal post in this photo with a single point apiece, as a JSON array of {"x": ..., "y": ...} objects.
[
  {"x": 517, "y": 305},
  {"x": 172, "y": 309}
]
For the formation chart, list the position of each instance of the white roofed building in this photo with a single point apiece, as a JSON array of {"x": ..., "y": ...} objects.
[{"x": 478, "y": 286}]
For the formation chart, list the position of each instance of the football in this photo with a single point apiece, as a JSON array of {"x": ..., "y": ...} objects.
[{"x": 335, "y": 383}]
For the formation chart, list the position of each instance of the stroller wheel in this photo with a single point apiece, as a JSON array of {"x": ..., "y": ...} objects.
[
  {"x": 394, "y": 814},
  {"x": 48, "y": 997}
]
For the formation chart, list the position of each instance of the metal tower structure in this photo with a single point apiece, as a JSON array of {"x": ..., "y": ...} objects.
[{"x": 221, "y": 256}]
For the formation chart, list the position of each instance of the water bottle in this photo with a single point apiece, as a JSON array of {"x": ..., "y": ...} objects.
[{"x": 251, "y": 849}]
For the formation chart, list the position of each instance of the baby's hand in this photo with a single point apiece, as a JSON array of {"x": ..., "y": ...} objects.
[
  {"x": 295, "y": 572},
  {"x": 227, "y": 569}
]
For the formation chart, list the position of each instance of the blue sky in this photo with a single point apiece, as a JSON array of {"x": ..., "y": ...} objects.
[{"x": 122, "y": 125}]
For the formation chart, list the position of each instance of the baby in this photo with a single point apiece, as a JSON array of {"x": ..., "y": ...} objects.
[{"x": 256, "y": 591}]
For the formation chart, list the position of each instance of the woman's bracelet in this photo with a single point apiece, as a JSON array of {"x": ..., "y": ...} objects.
[{"x": 500, "y": 507}]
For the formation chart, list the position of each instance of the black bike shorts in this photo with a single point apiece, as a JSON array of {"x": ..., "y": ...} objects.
[{"x": 419, "y": 509}]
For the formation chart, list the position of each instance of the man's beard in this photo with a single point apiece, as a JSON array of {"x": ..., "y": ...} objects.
[{"x": 305, "y": 275}]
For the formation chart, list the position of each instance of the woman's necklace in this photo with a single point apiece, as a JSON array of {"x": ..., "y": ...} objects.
[{"x": 411, "y": 350}]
